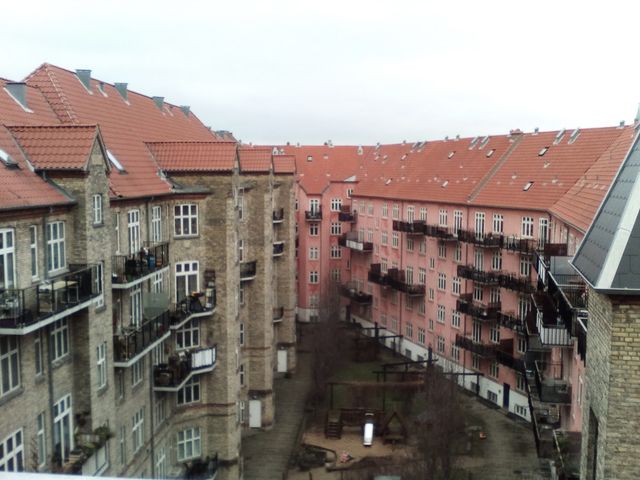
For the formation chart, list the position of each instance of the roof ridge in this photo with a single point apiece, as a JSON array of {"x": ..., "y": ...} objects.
[{"x": 66, "y": 105}]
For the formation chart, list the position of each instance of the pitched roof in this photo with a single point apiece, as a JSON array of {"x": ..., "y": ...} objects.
[
  {"x": 20, "y": 187},
  {"x": 194, "y": 156},
  {"x": 56, "y": 147},
  {"x": 39, "y": 111},
  {"x": 125, "y": 125},
  {"x": 609, "y": 255},
  {"x": 284, "y": 164},
  {"x": 579, "y": 205},
  {"x": 255, "y": 159}
]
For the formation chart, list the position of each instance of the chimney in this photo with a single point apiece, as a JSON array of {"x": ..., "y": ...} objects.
[
  {"x": 185, "y": 109},
  {"x": 159, "y": 101},
  {"x": 85, "y": 77},
  {"x": 122, "y": 90},
  {"x": 18, "y": 90}
]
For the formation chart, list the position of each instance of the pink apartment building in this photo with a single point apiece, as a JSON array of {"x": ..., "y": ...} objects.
[{"x": 462, "y": 246}]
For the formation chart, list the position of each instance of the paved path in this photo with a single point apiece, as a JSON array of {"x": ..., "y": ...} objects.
[{"x": 266, "y": 454}]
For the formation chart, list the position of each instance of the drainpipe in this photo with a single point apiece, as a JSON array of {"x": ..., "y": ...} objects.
[{"x": 151, "y": 415}]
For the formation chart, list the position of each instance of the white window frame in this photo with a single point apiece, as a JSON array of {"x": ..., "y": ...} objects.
[
  {"x": 187, "y": 272},
  {"x": 156, "y": 224},
  {"x": 190, "y": 393},
  {"x": 336, "y": 228},
  {"x": 56, "y": 254},
  {"x": 498, "y": 223},
  {"x": 527, "y": 227},
  {"x": 41, "y": 439},
  {"x": 9, "y": 362},
  {"x": 135, "y": 307},
  {"x": 133, "y": 231},
  {"x": 137, "y": 430},
  {"x": 59, "y": 339},
  {"x": 98, "y": 218},
  {"x": 63, "y": 425},
  {"x": 101, "y": 364},
  {"x": 442, "y": 281},
  {"x": 137, "y": 372},
  {"x": 442, "y": 217},
  {"x": 188, "y": 444},
  {"x": 33, "y": 248},
  {"x": 336, "y": 204},
  {"x": 116, "y": 229},
  {"x": 185, "y": 220},
  {"x": 314, "y": 277},
  {"x": 13, "y": 448},
  {"x": 336, "y": 251},
  {"x": 314, "y": 230},
  {"x": 188, "y": 336}
]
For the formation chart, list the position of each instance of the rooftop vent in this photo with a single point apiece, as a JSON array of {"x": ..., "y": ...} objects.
[
  {"x": 329, "y": 143},
  {"x": 491, "y": 152},
  {"x": 360, "y": 150},
  {"x": 542, "y": 151},
  {"x": 274, "y": 151},
  {"x": 457, "y": 137},
  {"x": 6, "y": 159},
  {"x": 85, "y": 78},
  {"x": 574, "y": 135},
  {"x": 527, "y": 186},
  {"x": 446, "y": 138},
  {"x": 559, "y": 136},
  {"x": 18, "y": 90},
  {"x": 536, "y": 130},
  {"x": 159, "y": 101},
  {"x": 185, "y": 109},
  {"x": 122, "y": 90},
  {"x": 621, "y": 124}
]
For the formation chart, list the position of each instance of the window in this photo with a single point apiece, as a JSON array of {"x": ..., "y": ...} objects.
[
  {"x": 314, "y": 205},
  {"x": 122, "y": 443},
  {"x": 457, "y": 253},
  {"x": 336, "y": 251},
  {"x": 494, "y": 371},
  {"x": 185, "y": 219},
  {"x": 455, "y": 352},
  {"x": 336, "y": 204},
  {"x": 394, "y": 324},
  {"x": 161, "y": 463},
  {"x": 12, "y": 453},
  {"x": 137, "y": 430},
  {"x": 241, "y": 374},
  {"x": 423, "y": 214},
  {"x": 37, "y": 348},
  {"x": 496, "y": 260},
  {"x": 492, "y": 396},
  {"x": 188, "y": 444},
  {"x": 157, "y": 283},
  {"x": 455, "y": 319},
  {"x": 240, "y": 245},
  {"x": 476, "y": 332},
  {"x": 522, "y": 344},
  {"x": 455, "y": 285},
  {"x": 498, "y": 223},
  {"x": 385, "y": 210},
  {"x": 494, "y": 332},
  {"x": 523, "y": 308},
  {"x": 408, "y": 276},
  {"x": 186, "y": 279},
  {"x": 527, "y": 227},
  {"x": 431, "y": 324},
  {"x": 525, "y": 266},
  {"x": 479, "y": 225},
  {"x": 156, "y": 224},
  {"x": 9, "y": 364},
  {"x": 395, "y": 212},
  {"x": 97, "y": 209},
  {"x": 432, "y": 295},
  {"x": 384, "y": 237},
  {"x": 41, "y": 439},
  {"x": 314, "y": 300},
  {"x": 33, "y": 246},
  {"x": 369, "y": 235},
  {"x": 314, "y": 277},
  {"x": 440, "y": 344},
  {"x": 422, "y": 276},
  {"x": 475, "y": 361},
  {"x": 313, "y": 253},
  {"x": 313, "y": 230},
  {"x": 116, "y": 229},
  {"x": 101, "y": 362},
  {"x": 99, "y": 284},
  {"x": 432, "y": 263},
  {"x": 62, "y": 428},
  {"x": 335, "y": 274},
  {"x": 190, "y": 393},
  {"x": 442, "y": 281},
  {"x": 422, "y": 247},
  {"x": 137, "y": 372},
  {"x": 59, "y": 339},
  {"x": 240, "y": 203},
  {"x": 56, "y": 259},
  {"x": 411, "y": 213},
  {"x": 442, "y": 217},
  {"x": 383, "y": 319},
  {"x": 158, "y": 354},
  {"x": 543, "y": 232},
  {"x": 422, "y": 336},
  {"x": 349, "y": 192},
  {"x": 457, "y": 220},
  {"x": 408, "y": 330},
  {"x": 336, "y": 228},
  {"x": 409, "y": 244},
  {"x": 442, "y": 313},
  {"x": 241, "y": 339},
  {"x": 520, "y": 382},
  {"x": 421, "y": 307},
  {"x": 442, "y": 250},
  {"x": 370, "y": 209},
  {"x": 188, "y": 336},
  {"x": 395, "y": 239},
  {"x": 133, "y": 229},
  {"x": 478, "y": 294},
  {"x": 494, "y": 295}
]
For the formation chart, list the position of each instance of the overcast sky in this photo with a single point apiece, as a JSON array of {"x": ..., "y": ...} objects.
[{"x": 356, "y": 72}]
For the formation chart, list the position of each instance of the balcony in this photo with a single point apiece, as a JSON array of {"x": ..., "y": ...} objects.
[
  {"x": 479, "y": 276},
  {"x": 130, "y": 270},
  {"x": 351, "y": 291},
  {"x": 376, "y": 275},
  {"x": 410, "y": 227},
  {"x": 476, "y": 346},
  {"x": 278, "y": 215},
  {"x": 132, "y": 343},
  {"x": 397, "y": 279},
  {"x": 278, "y": 248},
  {"x": 347, "y": 215},
  {"x": 550, "y": 325},
  {"x": 550, "y": 385},
  {"x": 173, "y": 375},
  {"x": 442, "y": 233},
  {"x": 484, "y": 240},
  {"x": 511, "y": 321},
  {"x": 351, "y": 240},
  {"x": 313, "y": 215},
  {"x": 521, "y": 245},
  {"x": 516, "y": 283},
  {"x": 278, "y": 314},
  {"x": 481, "y": 311},
  {"x": 25, "y": 310},
  {"x": 248, "y": 270},
  {"x": 199, "y": 469},
  {"x": 581, "y": 337},
  {"x": 194, "y": 306}
]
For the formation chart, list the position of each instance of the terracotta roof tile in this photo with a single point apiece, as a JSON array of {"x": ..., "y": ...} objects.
[
  {"x": 284, "y": 164},
  {"x": 255, "y": 159},
  {"x": 125, "y": 125},
  {"x": 56, "y": 147},
  {"x": 40, "y": 111},
  {"x": 194, "y": 156}
]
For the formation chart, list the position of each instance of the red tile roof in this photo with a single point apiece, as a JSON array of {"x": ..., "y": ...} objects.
[
  {"x": 194, "y": 156},
  {"x": 579, "y": 205},
  {"x": 125, "y": 125},
  {"x": 39, "y": 113},
  {"x": 255, "y": 159},
  {"x": 57, "y": 147},
  {"x": 284, "y": 164},
  {"x": 20, "y": 187}
]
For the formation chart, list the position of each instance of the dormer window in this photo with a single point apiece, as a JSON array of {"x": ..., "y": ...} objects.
[{"x": 309, "y": 158}]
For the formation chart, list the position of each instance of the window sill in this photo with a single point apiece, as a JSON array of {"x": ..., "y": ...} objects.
[
  {"x": 59, "y": 362},
  {"x": 11, "y": 395},
  {"x": 102, "y": 390},
  {"x": 185, "y": 237}
]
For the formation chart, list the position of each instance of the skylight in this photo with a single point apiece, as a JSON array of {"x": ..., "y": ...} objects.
[
  {"x": 527, "y": 186},
  {"x": 115, "y": 162},
  {"x": 574, "y": 136},
  {"x": 451, "y": 154},
  {"x": 484, "y": 141},
  {"x": 473, "y": 142},
  {"x": 559, "y": 136},
  {"x": 490, "y": 152},
  {"x": 445, "y": 183},
  {"x": 7, "y": 160},
  {"x": 543, "y": 151}
]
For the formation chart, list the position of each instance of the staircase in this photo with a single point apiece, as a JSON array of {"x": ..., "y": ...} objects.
[{"x": 333, "y": 425}]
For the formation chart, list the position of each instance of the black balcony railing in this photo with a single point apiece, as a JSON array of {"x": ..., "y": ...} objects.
[
  {"x": 511, "y": 321},
  {"x": 414, "y": 227},
  {"x": 21, "y": 308},
  {"x": 196, "y": 303},
  {"x": 347, "y": 215},
  {"x": 486, "y": 240},
  {"x": 479, "y": 348},
  {"x": 132, "y": 341},
  {"x": 278, "y": 314},
  {"x": 128, "y": 268},
  {"x": 479, "y": 276},
  {"x": 278, "y": 215},
  {"x": 465, "y": 304},
  {"x": 376, "y": 275},
  {"x": 517, "y": 244},
  {"x": 551, "y": 387},
  {"x": 351, "y": 291},
  {"x": 397, "y": 279},
  {"x": 278, "y": 249},
  {"x": 171, "y": 375},
  {"x": 314, "y": 215},
  {"x": 581, "y": 336},
  {"x": 248, "y": 270},
  {"x": 199, "y": 469},
  {"x": 442, "y": 233},
  {"x": 351, "y": 240}
]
